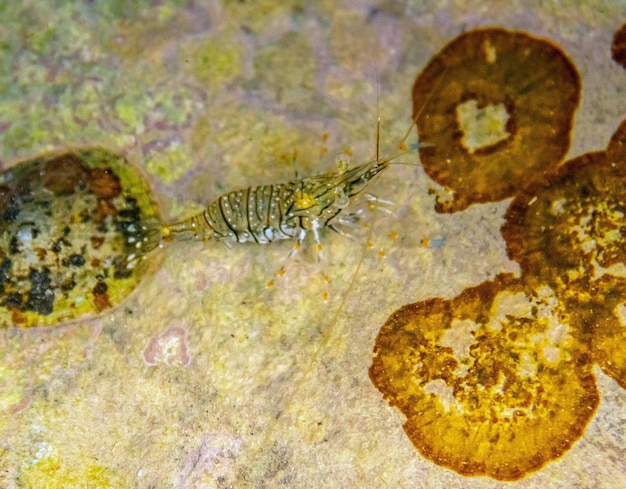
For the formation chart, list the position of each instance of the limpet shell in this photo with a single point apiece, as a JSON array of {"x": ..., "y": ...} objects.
[{"x": 75, "y": 231}]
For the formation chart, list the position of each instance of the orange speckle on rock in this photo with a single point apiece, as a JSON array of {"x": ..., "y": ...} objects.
[
  {"x": 496, "y": 109},
  {"x": 105, "y": 209},
  {"x": 18, "y": 318},
  {"x": 96, "y": 242}
]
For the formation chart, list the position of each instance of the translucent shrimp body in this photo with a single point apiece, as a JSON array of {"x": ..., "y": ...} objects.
[{"x": 282, "y": 211}]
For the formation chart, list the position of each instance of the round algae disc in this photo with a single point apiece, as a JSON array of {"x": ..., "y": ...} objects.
[
  {"x": 569, "y": 230},
  {"x": 497, "y": 381},
  {"x": 495, "y": 109},
  {"x": 75, "y": 229}
]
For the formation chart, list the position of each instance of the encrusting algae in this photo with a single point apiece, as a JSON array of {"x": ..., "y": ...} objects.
[
  {"x": 494, "y": 382},
  {"x": 498, "y": 381},
  {"x": 618, "y": 48},
  {"x": 496, "y": 109},
  {"x": 569, "y": 230}
]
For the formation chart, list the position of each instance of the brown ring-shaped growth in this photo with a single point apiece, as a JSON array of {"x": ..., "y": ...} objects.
[
  {"x": 566, "y": 229},
  {"x": 616, "y": 149},
  {"x": 570, "y": 231},
  {"x": 618, "y": 48},
  {"x": 494, "y": 382},
  {"x": 494, "y": 109}
]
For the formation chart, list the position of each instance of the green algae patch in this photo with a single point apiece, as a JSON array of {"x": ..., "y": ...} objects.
[
  {"x": 131, "y": 110},
  {"x": 170, "y": 163},
  {"x": 215, "y": 63}
]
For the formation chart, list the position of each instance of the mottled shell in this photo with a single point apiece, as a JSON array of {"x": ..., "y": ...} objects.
[{"x": 75, "y": 228}]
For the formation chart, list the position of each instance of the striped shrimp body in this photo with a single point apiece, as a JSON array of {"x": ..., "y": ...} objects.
[{"x": 283, "y": 211}]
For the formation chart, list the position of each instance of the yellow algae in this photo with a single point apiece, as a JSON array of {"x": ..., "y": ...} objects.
[
  {"x": 609, "y": 336},
  {"x": 52, "y": 472},
  {"x": 171, "y": 163},
  {"x": 569, "y": 230}
]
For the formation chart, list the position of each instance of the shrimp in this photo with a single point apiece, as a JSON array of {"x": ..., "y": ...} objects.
[{"x": 289, "y": 210}]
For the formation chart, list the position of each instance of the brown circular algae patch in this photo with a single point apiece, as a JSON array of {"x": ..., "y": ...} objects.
[
  {"x": 494, "y": 109},
  {"x": 494, "y": 382},
  {"x": 617, "y": 145},
  {"x": 569, "y": 230},
  {"x": 606, "y": 318},
  {"x": 618, "y": 48},
  {"x": 74, "y": 229}
]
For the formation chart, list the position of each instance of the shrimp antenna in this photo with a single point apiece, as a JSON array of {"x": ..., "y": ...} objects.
[{"x": 378, "y": 139}]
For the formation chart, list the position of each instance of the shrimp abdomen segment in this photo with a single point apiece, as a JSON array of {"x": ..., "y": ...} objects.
[{"x": 256, "y": 214}]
